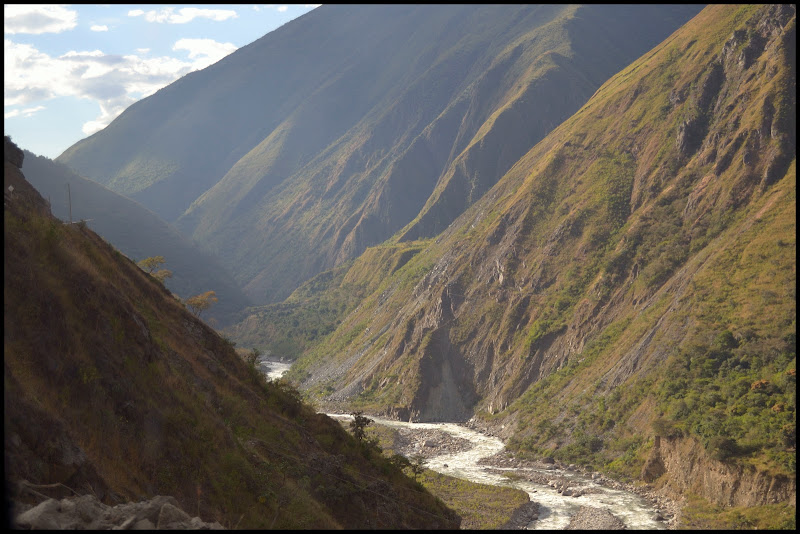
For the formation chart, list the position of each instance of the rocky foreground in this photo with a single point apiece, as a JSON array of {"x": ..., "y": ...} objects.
[{"x": 87, "y": 513}]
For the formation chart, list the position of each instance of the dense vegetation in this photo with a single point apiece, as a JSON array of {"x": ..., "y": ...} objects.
[{"x": 728, "y": 378}]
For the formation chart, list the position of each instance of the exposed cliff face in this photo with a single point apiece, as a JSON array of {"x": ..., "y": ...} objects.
[
  {"x": 680, "y": 465},
  {"x": 640, "y": 230}
]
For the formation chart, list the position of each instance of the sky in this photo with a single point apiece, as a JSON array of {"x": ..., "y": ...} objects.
[{"x": 69, "y": 70}]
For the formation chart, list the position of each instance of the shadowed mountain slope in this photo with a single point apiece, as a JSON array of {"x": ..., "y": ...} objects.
[
  {"x": 631, "y": 277},
  {"x": 138, "y": 233},
  {"x": 112, "y": 388},
  {"x": 330, "y": 134}
]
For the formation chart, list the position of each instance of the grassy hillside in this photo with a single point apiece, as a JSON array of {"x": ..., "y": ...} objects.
[
  {"x": 295, "y": 153},
  {"x": 632, "y": 277},
  {"x": 136, "y": 232},
  {"x": 112, "y": 388}
]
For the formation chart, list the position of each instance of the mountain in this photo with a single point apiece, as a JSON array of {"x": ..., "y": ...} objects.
[
  {"x": 293, "y": 154},
  {"x": 112, "y": 389},
  {"x": 625, "y": 296},
  {"x": 137, "y": 232}
]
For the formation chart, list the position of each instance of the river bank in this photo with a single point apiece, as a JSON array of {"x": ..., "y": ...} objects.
[{"x": 667, "y": 510}]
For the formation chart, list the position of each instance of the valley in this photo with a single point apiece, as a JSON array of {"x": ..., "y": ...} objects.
[{"x": 546, "y": 248}]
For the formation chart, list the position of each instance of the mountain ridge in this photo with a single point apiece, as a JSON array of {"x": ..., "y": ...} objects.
[{"x": 322, "y": 182}]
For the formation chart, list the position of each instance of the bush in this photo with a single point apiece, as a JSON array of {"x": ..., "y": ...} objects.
[
  {"x": 722, "y": 448},
  {"x": 665, "y": 428}
]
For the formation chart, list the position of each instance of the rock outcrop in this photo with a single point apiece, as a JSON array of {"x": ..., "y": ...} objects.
[{"x": 688, "y": 468}]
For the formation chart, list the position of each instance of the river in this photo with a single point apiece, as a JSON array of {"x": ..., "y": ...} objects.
[
  {"x": 555, "y": 509},
  {"x": 273, "y": 369}
]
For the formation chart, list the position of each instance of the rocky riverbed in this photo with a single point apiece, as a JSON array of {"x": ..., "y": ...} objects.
[
  {"x": 667, "y": 510},
  {"x": 430, "y": 443}
]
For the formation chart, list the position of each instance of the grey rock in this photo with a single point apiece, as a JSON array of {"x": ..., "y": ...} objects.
[
  {"x": 41, "y": 517},
  {"x": 127, "y": 524},
  {"x": 170, "y": 514},
  {"x": 589, "y": 518},
  {"x": 143, "y": 524},
  {"x": 86, "y": 512}
]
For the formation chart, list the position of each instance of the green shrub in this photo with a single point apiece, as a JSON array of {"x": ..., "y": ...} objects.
[{"x": 722, "y": 448}]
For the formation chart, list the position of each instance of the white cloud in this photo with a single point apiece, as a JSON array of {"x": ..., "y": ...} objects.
[
  {"x": 143, "y": 50},
  {"x": 24, "y": 112},
  {"x": 107, "y": 114},
  {"x": 73, "y": 53},
  {"x": 37, "y": 19},
  {"x": 282, "y": 9},
  {"x": 113, "y": 81},
  {"x": 99, "y": 28},
  {"x": 184, "y": 15},
  {"x": 204, "y": 51}
]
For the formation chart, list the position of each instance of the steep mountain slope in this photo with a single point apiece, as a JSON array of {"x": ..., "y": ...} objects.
[
  {"x": 633, "y": 274},
  {"x": 137, "y": 232},
  {"x": 293, "y": 154},
  {"x": 111, "y": 388}
]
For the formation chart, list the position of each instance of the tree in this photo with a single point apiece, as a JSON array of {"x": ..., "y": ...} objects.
[
  {"x": 399, "y": 461},
  {"x": 149, "y": 265},
  {"x": 252, "y": 357},
  {"x": 417, "y": 465},
  {"x": 162, "y": 275},
  {"x": 358, "y": 424},
  {"x": 199, "y": 303}
]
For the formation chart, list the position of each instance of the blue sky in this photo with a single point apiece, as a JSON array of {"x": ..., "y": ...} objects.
[{"x": 69, "y": 70}]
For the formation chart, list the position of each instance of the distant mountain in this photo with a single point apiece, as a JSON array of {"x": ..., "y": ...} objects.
[
  {"x": 138, "y": 233},
  {"x": 112, "y": 389},
  {"x": 625, "y": 296},
  {"x": 293, "y": 154}
]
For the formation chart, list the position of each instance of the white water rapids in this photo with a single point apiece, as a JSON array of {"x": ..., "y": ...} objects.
[
  {"x": 555, "y": 509},
  {"x": 274, "y": 370}
]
